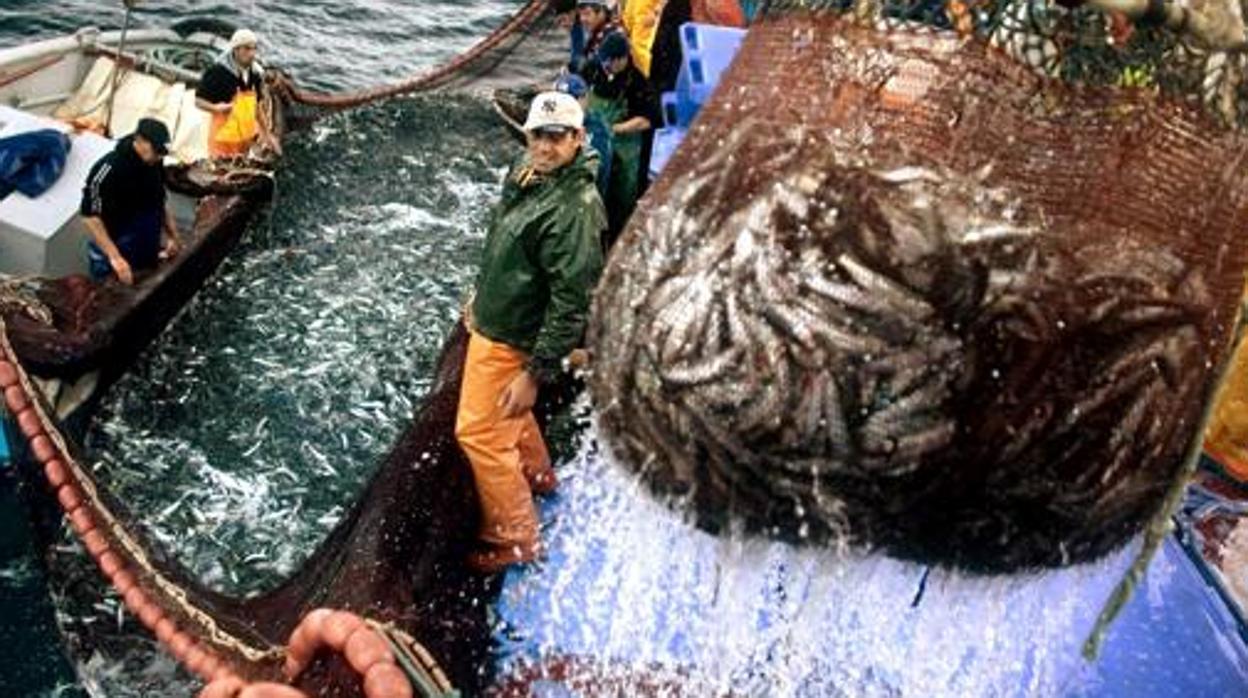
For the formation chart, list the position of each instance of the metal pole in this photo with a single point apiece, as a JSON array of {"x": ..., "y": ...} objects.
[{"x": 121, "y": 49}]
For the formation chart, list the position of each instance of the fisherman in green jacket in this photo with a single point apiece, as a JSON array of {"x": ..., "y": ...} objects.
[{"x": 543, "y": 256}]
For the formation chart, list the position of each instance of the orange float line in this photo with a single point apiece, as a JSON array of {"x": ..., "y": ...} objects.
[{"x": 363, "y": 647}]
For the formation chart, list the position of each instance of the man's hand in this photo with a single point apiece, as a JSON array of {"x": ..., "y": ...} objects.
[
  {"x": 171, "y": 248},
  {"x": 519, "y": 397},
  {"x": 223, "y": 108},
  {"x": 579, "y": 359},
  {"x": 122, "y": 269}
]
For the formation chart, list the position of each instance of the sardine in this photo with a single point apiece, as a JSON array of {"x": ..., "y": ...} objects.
[
  {"x": 688, "y": 375},
  {"x": 900, "y": 298}
]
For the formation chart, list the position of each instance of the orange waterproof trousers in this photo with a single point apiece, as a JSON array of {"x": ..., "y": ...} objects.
[{"x": 504, "y": 453}]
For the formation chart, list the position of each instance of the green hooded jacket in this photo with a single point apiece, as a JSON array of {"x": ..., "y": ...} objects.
[{"x": 543, "y": 257}]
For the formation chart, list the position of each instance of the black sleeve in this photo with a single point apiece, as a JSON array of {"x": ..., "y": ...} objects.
[
  {"x": 643, "y": 100},
  {"x": 161, "y": 179},
  {"x": 257, "y": 82},
  {"x": 95, "y": 192},
  {"x": 217, "y": 85}
]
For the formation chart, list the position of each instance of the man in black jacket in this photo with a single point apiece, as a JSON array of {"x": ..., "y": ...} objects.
[{"x": 123, "y": 206}]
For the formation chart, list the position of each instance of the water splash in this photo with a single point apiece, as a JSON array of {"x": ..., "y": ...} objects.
[{"x": 629, "y": 582}]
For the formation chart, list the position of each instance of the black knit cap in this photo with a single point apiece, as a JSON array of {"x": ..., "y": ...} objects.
[{"x": 154, "y": 132}]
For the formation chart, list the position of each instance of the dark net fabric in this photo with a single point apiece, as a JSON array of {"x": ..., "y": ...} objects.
[{"x": 920, "y": 297}]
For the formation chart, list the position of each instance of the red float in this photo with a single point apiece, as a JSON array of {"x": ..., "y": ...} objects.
[
  {"x": 387, "y": 681},
  {"x": 81, "y": 521},
  {"x": 95, "y": 543},
  {"x": 56, "y": 473},
  {"x": 110, "y": 564},
  {"x": 69, "y": 497},
  {"x": 16, "y": 398},
  {"x": 43, "y": 449},
  {"x": 29, "y": 424},
  {"x": 8, "y": 375}
]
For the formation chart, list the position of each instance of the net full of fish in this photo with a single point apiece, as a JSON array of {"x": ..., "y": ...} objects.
[{"x": 947, "y": 307}]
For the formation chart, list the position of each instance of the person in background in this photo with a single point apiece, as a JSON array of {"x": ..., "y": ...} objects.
[
  {"x": 124, "y": 208},
  {"x": 597, "y": 21},
  {"x": 665, "y": 50},
  {"x": 719, "y": 13},
  {"x": 567, "y": 16},
  {"x": 624, "y": 99},
  {"x": 230, "y": 91},
  {"x": 640, "y": 19},
  {"x": 542, "y": 259},
  {"x": 596, "y": 130}
]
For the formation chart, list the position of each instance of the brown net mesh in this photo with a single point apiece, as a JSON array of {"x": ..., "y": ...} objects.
[{"x": 919, "y": 296}]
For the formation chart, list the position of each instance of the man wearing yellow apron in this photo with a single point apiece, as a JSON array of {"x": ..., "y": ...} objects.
[{"x": 230, "y": 91}]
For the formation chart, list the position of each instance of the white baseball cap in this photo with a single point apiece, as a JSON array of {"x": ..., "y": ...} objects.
[
  {"x": 555, "y": 110},
  {"x": 243, "y": 37}
]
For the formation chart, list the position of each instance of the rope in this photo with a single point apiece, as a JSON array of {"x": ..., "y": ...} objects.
[
  {"x": 417, "y": 663},
  {"x": 1163, "y": 522},
  {"x": 427, "y": 81},
  {"x": 14, "y": 295}
]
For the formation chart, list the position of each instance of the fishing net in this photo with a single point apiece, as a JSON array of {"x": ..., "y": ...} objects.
[
  {"x": 530, "y": 43},
  {"x": 957, "y": 295},
  {"x": 397, "y": 555}
]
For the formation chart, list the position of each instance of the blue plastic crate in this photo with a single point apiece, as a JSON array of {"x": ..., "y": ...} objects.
[
  {"x": 707, "y": 51},
  {"x": 666, "y": 140},
  {"x": 671, "y": 116}
]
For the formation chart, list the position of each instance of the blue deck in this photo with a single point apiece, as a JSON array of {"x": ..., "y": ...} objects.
[{"x": 628, "y": 583}]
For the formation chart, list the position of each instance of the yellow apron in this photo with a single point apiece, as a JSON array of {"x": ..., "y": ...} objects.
[
  {"x": 1226, "y": 441},
  {"x": 233, "y": 133},
  {"x": 641, "y": 20}
]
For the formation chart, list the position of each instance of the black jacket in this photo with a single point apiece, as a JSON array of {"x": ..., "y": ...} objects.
[
  {"x": 121, "y": 186},
  {"x": 219, "y": 84}
]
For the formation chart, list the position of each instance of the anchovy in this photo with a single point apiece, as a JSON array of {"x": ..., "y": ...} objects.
[
  {"x": 889, "y": 291},
  {"x": 994, "y": 233},
  {"x": 927, "y": 399},
  {"x": 836, "y": 429},
  {"x": 847, "y": 295},
  {"x": 924, "y": 442},
  {"x": 845, "y": 341},
  {"x": 687, "y": 375},
  {"x": 911, "y": 173},
  {"x": 792, "y": 323}
]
